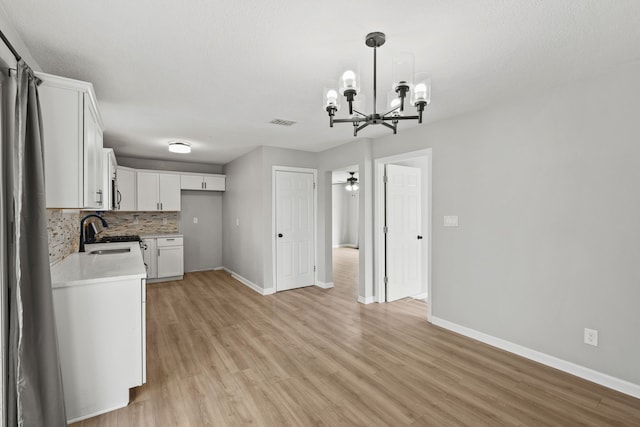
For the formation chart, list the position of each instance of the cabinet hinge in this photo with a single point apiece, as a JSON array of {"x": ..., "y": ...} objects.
[
  {"x": 385, "y": 230},
  {"x": 386, "y": 280},
  {"x": 385, "y": 179},
  {"x": 314, "y": 185},
  {"x": 314, "y": 268}
]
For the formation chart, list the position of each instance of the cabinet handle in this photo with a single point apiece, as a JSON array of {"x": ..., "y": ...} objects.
[
  {"x": 205, "y": 185},
  {"x": 202, "y": 185},
  {"x": 158, "y": 251},
  {"x": 170, "y": 240},
  {"x": 160, "y": 205}
]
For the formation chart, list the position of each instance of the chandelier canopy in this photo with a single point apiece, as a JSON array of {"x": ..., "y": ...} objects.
[{"x": 405, "y": 85}]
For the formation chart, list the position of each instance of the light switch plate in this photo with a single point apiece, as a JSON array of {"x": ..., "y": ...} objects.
[
  {"x": 195, "y": 219},
  {"x": 451, "y": 221}
]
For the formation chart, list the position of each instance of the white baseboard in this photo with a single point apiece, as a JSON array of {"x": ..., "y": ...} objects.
[
  {"x": 420, "y": 296},
  {"x": 588, "y": 374},
  {"x": 324, "y": 285},
  {"x": 365, "y": 300},
  {"x": 248, "y": 283}
]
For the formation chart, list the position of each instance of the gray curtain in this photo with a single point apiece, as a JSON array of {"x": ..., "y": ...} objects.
[{"x": 34, "y": 388}]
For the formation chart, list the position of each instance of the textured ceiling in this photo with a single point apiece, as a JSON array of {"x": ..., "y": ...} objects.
[{"x": 216, "y": 72}]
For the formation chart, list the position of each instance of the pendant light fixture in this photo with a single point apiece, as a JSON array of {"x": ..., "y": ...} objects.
[
  {"x": 406, "y": 87},
  {"x": 352, "y": 183}
]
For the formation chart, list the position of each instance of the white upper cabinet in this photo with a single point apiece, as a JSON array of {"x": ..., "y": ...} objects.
[
  {"x": 202, "y": 182},
  {"x": 158, "y": 191},
  {"x": 72, "y": 137},
  {"x": 169, "y": 192},
  {"x": 126, "y": 189}
]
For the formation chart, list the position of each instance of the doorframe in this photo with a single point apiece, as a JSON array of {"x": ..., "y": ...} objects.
[
  {"x": 378, "y": 224},
  {"x": 274, "y": 252}
]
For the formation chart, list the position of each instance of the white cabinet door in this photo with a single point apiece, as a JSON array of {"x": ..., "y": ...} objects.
[
  {"x": 170, "y": 261},
  {"x": 61, "y": 125},
  {"x": 191, "y": 182},
  {"x": 214, "y": 182},
  {"x": 127, "y": 189},
  {"x": 93, "y": 192},
  {"x": 169, "y": 192},
  {"x": 147, "y": 191}
]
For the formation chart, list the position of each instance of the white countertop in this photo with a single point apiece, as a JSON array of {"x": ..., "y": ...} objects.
[
  {"x": 86, "y": 269},
  {"x": 161, "y": 235}
]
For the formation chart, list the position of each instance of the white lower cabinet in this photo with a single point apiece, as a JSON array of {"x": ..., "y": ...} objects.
[
  {"x": 101, "y": 339},
  {"x": 163, "y": 257}
]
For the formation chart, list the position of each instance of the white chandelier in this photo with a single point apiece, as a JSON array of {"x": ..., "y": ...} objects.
[{"x": 405, "y": 84}]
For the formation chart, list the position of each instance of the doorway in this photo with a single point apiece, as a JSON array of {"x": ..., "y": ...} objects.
[
  {"x": 294, "y": 227},
  {"x": 345, "y": 218},
  {"x": 404, "y": 203}
]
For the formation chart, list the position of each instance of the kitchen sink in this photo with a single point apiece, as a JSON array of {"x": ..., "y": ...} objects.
[{"x": 110, "y": 251}]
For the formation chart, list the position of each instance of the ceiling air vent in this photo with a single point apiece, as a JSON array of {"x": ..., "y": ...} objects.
[{"x": 282, "y": 122}]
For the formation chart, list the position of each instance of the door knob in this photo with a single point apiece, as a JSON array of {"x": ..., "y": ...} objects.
[
  {"x": 419, "y": 237},
  {"x": 279, "y": 234}
]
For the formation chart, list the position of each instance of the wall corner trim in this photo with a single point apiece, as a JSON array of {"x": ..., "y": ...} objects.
[
  {"x": 248, "y": 283},
  {"x": 324, "y": 285},
  {"x": 588, "y": 374},
  {"x": 365, "y": 300}
]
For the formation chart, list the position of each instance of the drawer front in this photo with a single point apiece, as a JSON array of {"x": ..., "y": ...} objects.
[{"x": 170, "y": 241}]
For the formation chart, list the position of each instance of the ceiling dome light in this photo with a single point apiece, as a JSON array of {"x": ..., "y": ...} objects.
[{"x": 179, "y": 147}]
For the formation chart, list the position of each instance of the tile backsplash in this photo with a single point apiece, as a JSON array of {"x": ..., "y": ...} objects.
[
  {"x": 64, "y": 233},
  {"x": 64, "y": 227},
  {"x": 147, "y": 223}
]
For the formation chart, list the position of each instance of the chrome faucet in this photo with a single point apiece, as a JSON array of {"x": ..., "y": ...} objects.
[{"x": 82, "y": 221}]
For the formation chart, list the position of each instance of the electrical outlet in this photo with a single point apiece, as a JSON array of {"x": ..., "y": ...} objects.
[
  {"x": 591, "y": 337},
  {"x": 195, "y": 219}
]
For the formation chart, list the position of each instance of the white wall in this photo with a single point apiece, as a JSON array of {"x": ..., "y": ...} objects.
[
  {"x": 344, "y": 216},
  {"x": 546, "y": 189},
  {"x": 273, "y": 156},
  {"x": 360, "y": 153},
  {"x": 242, "y": 217},
  {"x": 167, "y": 165},
  {"x": 247, "y": 248},
  {"x": 202, "y": 240}
]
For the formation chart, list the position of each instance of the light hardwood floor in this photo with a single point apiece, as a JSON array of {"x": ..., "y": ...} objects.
[{"x": 220, "y": 354}]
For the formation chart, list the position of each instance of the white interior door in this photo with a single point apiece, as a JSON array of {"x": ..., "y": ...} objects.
[
  {"x": 403, "y": 237},
  {"x": 294, "y": 230}
]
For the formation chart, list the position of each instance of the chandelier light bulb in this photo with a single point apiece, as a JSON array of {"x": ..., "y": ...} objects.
[
  {"x": 332, "y": 98},
  {"x": 349, "y": 79}
]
